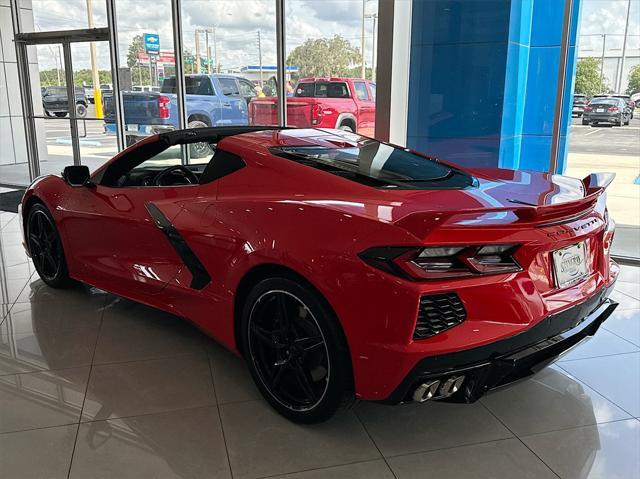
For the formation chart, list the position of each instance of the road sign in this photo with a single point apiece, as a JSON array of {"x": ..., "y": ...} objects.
[{"x": 152, "y": 43}]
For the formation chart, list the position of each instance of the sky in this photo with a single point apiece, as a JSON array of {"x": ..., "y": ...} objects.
[{"x": 237, "y": 23}]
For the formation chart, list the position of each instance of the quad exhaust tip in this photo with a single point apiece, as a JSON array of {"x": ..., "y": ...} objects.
[{"x": 437, "y": 389}]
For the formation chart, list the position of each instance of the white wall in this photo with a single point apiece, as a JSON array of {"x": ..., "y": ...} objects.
[{"x": 13, "y": 150}]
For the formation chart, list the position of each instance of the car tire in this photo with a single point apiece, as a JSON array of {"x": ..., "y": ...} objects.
[
  {"x": 81, "y": 110},
  {"x": 295, "y": 350},
  {"x": 618, "y": 121},
  {"x": 60, "y": 114},
  {"x": 202, "y": 149},
  {"x": 585, "y": 122},
  {"x": 628, "y": 121},
  {"x": 48, "y": 113},
  {"x": 45, "y": 248}
]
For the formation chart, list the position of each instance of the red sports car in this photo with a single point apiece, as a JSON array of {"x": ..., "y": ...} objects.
[{"x": 338, "y": 266}]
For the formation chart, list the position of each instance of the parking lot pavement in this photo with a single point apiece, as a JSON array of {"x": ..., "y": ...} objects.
[{"x": 608, "y": 140}]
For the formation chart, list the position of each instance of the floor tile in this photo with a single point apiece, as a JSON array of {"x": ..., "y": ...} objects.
[
  {"x": 263, "y": 443},
  {"x": 606, "y": 451},
  {"x": 35, "y": 400},
  {"x": 629, "y": 274},
  {"x": 625, "y": 302},
  {"x": 617, "y": 378},
  {"x": 505, "y": 459},
  {"x": 79, "y": 295},
  {"x": 46, "y": 349},
  {"x": 423, "y": 427},
  {"x": 130, "y": 332},
  {"x": 145, "y": 387},
  {"x": 179, "y": 444},
  {"x": 52, "y": 315},
  {"x": 20, "y": 271},
  {"x": 231, "y": 377},
  {"x": 361, "y": 470},
  {"x": 630, "y": 289},
  {"x": 40, "y": 453},
  {"x": 549, "y": 401},
  {"x": 626, "y": 324},
  {"x": 11, "y": 290},
  {"x": 603, "y": 343}
]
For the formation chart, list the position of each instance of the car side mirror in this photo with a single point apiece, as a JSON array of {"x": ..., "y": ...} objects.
[{"x": 77, "y": 175}]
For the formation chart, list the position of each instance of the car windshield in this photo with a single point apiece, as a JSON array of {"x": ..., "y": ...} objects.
[{"x": 376, "y": 164}]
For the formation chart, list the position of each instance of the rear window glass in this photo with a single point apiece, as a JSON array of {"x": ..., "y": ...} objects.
[
  {"x": 322, "y": 90},
  {"x": 609, "y": 101},
  {"x": 198, "y": 85},
  {"x": 376, "y": 164}
]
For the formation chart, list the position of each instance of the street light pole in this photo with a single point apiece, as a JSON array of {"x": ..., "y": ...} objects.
[
  {"x": 208, "y": 50},
  {"x": 97, "y": 94},
  {"x": 197, "y": 51},
  {"x": 363, "y": 70},
  {"x": 604, "y": 43},
  {"x": 260, "y": 57},
  {"x": 60, "y": 63},
  {"x": 624, "y": 49},
  {"x": 374, "y": 17},
  {"x": 215, "y": 51}
]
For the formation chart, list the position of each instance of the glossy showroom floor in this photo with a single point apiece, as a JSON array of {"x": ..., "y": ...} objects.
[{"x": 94, "y": 386}]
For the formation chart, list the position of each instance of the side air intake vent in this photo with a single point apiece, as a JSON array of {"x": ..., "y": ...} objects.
[{"x": 437, "y": 313}]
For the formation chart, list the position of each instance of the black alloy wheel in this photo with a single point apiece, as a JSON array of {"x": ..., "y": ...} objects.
[
  {"x": 294, "y": 352},
  {"x": 45, "y": 247}
]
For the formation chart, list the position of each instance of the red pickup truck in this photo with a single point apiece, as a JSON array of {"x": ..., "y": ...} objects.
[{"x": 345, "y": 103}]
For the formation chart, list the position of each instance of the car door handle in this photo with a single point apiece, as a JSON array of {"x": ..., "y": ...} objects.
[{"x": 226, "y": 103}]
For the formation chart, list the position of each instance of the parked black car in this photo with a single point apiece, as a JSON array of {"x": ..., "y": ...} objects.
[
  {"x": 579, "y": 102},
  {"x": 612, "y": 110},
  {"x": 630, "y": 103},
  {"x": 54, "y": 101}
]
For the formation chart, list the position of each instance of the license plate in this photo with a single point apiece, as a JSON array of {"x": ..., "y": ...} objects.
[
  {"x": 600, "y": 110},
  {"x": 132, "y": 127},
  {"x": 570, "y": 265}
]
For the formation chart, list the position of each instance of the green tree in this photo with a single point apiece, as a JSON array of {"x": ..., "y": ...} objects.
[
  {"x": 80, "y": 77},
  {"x": 324, "y": 57},
  {"x": 136, "y": 45},
  {"x": 634, "y": 80},
  {"x": 588, "y": 77}
]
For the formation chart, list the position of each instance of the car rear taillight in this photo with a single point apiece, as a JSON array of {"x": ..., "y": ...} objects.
[
  {"x": 163, "y": 106},
  {"x": 613, "y": 108},
  {"x": 443, "y": 261},
  {"x": 316, "y": 114},
  {"x": 588, "y": 108}
]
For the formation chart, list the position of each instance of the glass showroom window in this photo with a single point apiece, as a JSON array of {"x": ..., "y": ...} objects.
[
  {"x": 50, "y": 15},
  {"x": 603, "y": 129},
  {"x": 147, "y": 70},
  {"x": 229, "y": 51},
  {"x": 331, "y": 64}
]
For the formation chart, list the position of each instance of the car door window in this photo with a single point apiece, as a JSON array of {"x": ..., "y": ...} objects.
[
  {"x": 361, "y": 90},
  {"x": 247, "y": 89},
  {"x": 372, "y": 87},
  {"x": 229, "y": 86},
  {"x": 141, "y": 166}
]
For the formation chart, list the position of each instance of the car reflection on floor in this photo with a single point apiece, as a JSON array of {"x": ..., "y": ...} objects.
[{"x": 37, "y": 336}]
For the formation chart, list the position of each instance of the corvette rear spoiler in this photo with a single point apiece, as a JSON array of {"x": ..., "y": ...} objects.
[{"x": 534, "y": 215}]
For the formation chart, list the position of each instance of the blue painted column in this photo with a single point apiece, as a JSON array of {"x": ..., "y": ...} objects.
[{"x": 483, "y": 81}]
